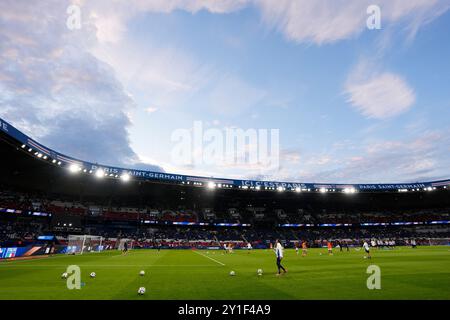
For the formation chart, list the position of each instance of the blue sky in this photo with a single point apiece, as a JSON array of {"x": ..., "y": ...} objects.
[{"x": 352, "y": 104}]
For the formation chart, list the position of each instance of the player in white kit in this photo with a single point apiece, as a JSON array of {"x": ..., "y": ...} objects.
[{"x": 367, "y": 250}]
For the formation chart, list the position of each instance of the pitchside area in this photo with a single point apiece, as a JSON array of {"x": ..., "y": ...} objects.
[{"x": 422, "y": 273}]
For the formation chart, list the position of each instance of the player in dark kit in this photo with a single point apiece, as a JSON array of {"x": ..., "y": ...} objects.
[
  {"x": 346, "y": 246},
  {"x": 125, "y": 248}
]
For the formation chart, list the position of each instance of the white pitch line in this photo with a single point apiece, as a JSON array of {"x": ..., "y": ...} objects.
[{"x": 222, "y": 264}]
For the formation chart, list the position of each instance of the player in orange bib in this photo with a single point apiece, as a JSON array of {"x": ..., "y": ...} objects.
[
  {"x": 330, "y": 247},
  {"x": 304, "y": 248}
]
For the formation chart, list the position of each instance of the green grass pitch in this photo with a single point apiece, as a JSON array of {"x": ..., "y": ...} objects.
[{"x": 406, "y": 273}]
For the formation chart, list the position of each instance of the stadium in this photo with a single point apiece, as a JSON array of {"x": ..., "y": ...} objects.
[
  {"x": 190, "y": 237},
  {"x": 224, "y": 158}
]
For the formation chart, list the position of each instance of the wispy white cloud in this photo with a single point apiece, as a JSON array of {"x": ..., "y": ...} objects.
[
  {"x": 163, "y": 76},
  {"x": 110, "y": 17},
  {"x": 319, "y": 21},
  {"x": 380, "y": 95},
  {"x": 327, "y": 21},
  {"x": 151, "y": 109},
  {"x": 418, "y": 158}
]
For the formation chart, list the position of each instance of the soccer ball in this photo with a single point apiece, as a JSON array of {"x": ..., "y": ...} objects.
[
  {"x": 260, "y": 272},
  {"x": 142, "y": 273},
  {"x": 64, "y": 275},
  {"x": 232, "y": 273},
  {"x": 93, "y": 274},
  {"x": 141, "y": 291}
]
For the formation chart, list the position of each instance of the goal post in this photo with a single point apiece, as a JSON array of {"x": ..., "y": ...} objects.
[
  {"x": 121, "y": 244},
  {"x": 79, "y": 244},
  {"x": 439, "y": 241}
]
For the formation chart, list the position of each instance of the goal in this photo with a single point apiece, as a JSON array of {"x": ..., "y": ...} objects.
[
  {"x": 121, "y": 244},
  {"x": 79, "y": 244},
  {"x": 439, "y": 241}
]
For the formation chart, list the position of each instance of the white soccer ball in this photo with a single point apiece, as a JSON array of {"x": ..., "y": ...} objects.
[
  {"x": 141, "y": 291},
  {"x": 232, "y": 273},
  {"x": 92, "y": 274},
  {"x": 260, "y": 272},
  {"x": 142, "y": 273},
  {"x": 64, "y": 275}
]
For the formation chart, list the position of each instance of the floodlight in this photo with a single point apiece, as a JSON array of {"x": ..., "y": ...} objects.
[
  {"x": 74, "y": 168},
  {"x": 100, "y": 173},
  {"x": 211, "y": 185},
  {"x": 125, "y": 177}
]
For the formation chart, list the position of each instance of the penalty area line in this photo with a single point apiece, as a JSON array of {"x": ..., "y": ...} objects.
[{"x": 222, "y": 264}]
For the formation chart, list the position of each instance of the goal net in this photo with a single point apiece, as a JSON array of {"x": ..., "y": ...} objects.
[
  {"x": 79, "y": 244},
  {"x": 438, "y": 241},
  {"x": 121, "y": 244}
]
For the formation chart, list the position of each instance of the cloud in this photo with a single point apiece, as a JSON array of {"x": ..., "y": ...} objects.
[
  {"x": 162, "y": 76},
  {"x": 378, "y": 95},
  {"x": 319, "y": 21},
  {"x": 56, "y": 91},
  {"x": 290, "y": 156},
  {"x": 69, "y": 89},
  {"x": 423, "y": 156},
  {"x": 420, "y": 158},
  {"x": 328, "y": 21},
  {"x": 110, "y": 17},
  {"x": 151, "y": 109}
]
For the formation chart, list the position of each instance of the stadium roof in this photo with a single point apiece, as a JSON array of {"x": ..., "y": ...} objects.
[{"x": 66, "y": 162}]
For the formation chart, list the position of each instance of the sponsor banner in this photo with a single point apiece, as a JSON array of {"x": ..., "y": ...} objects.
[
  {"x": 28, "y": 251},
  {"x": 30, "y": 213},
  {"x": 185, "y": 223},
  {"x": 364, "y": 224}
]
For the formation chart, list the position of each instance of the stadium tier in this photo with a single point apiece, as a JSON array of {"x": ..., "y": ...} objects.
[{"x": 47, "y": 194}]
